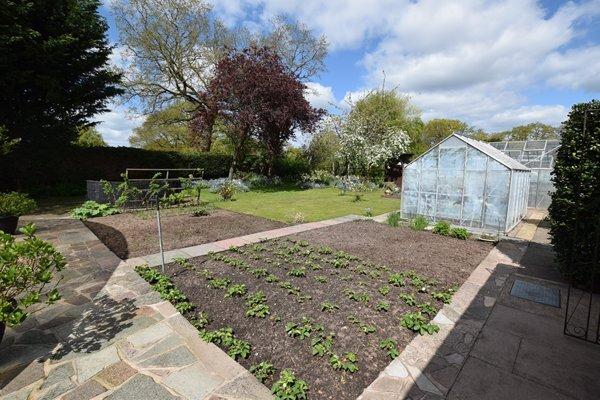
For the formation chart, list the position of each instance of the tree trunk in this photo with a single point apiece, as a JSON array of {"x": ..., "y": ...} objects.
[{"x": 206, "y": 140}]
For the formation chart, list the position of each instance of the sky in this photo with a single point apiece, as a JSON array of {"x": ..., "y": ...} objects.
[{"x": 493, "y": 64}]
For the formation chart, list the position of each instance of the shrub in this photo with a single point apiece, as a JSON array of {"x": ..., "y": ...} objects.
[
  {"x": 368, "y": 212},
  {"x": 393, "y": 219},
  {"x": 419, "y": 223},
  {"x": 442, "y": 228},
  {"x": 290, "y": 167},
  {"x": 26, "y": 270},
  {"x": 200, "y": 212},
  {"x": 288, "y": 387},
  {"x": 254, "y": 180},
  {"x": 460, "y": 233},
  {"x": 214, "y": 185},
  {"x": 318, "y": 178},
  {"x": 91, "y": 209},
  {"x": 354, "y": 184},
  {"x": 227, "y": 191},
  {"x": 357, "y": 197},
  {"x": 575, "y": 208},
  {"x": 390, "y": 188},
  {"x": 174, "y": 199},
  {"x": 15, "y": 204}
]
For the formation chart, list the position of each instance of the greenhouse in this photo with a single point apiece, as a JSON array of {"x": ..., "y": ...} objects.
[
  {"x": 468, "y": 183},
  {"x": 538, "y": 155}
]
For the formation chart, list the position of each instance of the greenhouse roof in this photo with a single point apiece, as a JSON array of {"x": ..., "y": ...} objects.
[
  {"x": 487, "y": 149},
  {"x": 493, "y": 152},
  {"x": 535, "y": 154}
]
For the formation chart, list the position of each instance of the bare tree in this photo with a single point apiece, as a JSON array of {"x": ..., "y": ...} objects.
[
  {"x": 299, "y": 49},
  {"x": 171, "y": 47}
]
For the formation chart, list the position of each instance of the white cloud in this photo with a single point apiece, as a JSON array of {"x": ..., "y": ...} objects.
[
  {"x": 320, "y": 96},
  {"x": 575, "y": 69},
  {"x": 469, "y": 59},
  {"x": 116, "y": 125},
  {"x": 552, "y": 115}
]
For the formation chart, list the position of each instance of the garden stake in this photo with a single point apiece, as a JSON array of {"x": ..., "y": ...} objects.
[{"x": 160, "y": 239}]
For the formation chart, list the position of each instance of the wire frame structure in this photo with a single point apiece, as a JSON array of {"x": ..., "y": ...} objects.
[
  {"x": 539, "y": 156},
  {"x": 468, "y": 183}
]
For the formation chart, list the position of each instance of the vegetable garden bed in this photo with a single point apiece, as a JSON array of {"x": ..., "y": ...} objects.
[
  {"x": 331, "y": 305},
  {"x": 133, "y": 234}
]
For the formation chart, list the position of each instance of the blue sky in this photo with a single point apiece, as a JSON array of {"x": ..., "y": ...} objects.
[{"x": 493, "y": 64}]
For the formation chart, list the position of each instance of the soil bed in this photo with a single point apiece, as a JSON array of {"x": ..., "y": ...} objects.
[
  {"x": 131, "y": 235},
  {"x": 353, "y": 258}
]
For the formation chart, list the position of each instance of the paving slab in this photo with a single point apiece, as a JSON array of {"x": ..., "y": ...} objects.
[
  {"x": 141, "y": 387},
  {"x": 496, "y": 347},
  {"x": 87, "y": 391},
  {"x": 114, "y": 375},
  {"x": 480, "y": 380},
  {"x": 203, "y": 383},
  {"x": 553, "y": 365},
  {"x": 90, "y": 365},
  {"x": 179, "y": 357}
]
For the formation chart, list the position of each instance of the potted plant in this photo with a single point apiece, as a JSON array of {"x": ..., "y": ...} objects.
[
  {"x": 27, "y": 269},
  {"x": 12, "y": 206}
]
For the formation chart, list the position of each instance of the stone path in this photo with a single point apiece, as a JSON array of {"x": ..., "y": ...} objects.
[
  {"x": 492, "y": 345},
  {"x": 112, "y": 337}
]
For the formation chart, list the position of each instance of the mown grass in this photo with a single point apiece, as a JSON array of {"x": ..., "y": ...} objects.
[{"x": 280, "y": 203}]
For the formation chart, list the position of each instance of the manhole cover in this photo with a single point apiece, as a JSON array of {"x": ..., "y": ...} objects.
[{"x": 537, "y": 293}]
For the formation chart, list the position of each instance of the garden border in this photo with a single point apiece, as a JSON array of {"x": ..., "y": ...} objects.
[{"x": 154, "y": 260}]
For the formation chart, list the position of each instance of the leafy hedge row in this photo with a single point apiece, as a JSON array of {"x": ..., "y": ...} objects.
[
  {"x": 62, "y": 172},
  {"x": 575, "y": 208}
]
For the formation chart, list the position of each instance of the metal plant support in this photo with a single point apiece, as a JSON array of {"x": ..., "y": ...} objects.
[
  {"x": 582, "y": 315},
  {"x": 170, "y": 186}
]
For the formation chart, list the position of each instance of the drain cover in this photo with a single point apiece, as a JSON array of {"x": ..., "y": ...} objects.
[{"x": 537, "y": 293}]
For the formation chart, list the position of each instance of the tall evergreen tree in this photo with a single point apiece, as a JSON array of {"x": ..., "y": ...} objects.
[
  {"x": 54, "y": 72},
  {"x": 575, "y": 209}
]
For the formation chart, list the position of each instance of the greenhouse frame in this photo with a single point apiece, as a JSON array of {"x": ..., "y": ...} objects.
[
  {"x": 539, "y": 156},
  {"x": 467, "y": 183}
]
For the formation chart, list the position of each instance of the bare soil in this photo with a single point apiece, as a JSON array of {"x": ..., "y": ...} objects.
[
  {"x": 131, "y": 235},
  {"x": 380, "y": 251}
]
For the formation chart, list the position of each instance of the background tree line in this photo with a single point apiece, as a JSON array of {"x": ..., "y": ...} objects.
[{"x": 204, "y": 87}]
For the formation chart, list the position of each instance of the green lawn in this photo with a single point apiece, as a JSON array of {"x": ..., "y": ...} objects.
[{"x": 315, "y": 204}]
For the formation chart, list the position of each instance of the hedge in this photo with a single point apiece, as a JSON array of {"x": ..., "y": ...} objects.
[
  {"x": 51, "y": 172},
  {"x": 575, "y": 208}
]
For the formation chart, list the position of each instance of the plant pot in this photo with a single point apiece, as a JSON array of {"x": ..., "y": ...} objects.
[{"x": 8, "y": 224}]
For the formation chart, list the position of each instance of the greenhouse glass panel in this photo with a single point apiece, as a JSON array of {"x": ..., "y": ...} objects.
[
  {"x": 468, "y": 183},
  {"x": 539, "y": 156}
]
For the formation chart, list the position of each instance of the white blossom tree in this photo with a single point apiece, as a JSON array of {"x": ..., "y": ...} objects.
[{"x": 368, "y": 139}]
